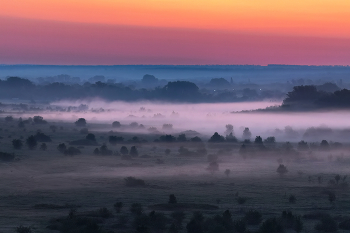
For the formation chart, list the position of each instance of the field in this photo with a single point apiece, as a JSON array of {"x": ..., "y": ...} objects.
[{"x": 38, "y": 186}]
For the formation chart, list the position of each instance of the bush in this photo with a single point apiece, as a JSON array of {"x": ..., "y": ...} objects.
[
  {"x": 43, "y": 146},
  {"x": 17, "y": 144},
  {"x": 84, "y": 131},
  {"x": 22, "y": 229},
  {"x": 72, "y": 151},
  {"x": 90, "y": 137},
  {"x": 292, "y": 199},
  {"x": 132, "y": 182},
  {"x": 282, "y": 169},
  {"x": 133, "y": 151},
  {"x": 327, "y": 224},
  {"x": 172, "y": 199},
  {"x": 6, "y": 157},
  {"x": 136, "y": 209},
  {"x": 271, "y": 226},
  {"x": 124, "y": 150},
  {"x": 61, "y": 147},
  {"x": 41, "y": 137},
  {"x": 113, "y": 140},
  {"x": 118, "y": 206},
  {"x": 252, "y": 217},
  {"x": 31, "y": 142}
]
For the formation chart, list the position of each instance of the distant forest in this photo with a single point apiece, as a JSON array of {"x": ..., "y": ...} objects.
[{"x": 302, "y": 97}]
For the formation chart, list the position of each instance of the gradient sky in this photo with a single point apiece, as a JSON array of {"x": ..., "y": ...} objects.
[{"x": 308, "y": 32}]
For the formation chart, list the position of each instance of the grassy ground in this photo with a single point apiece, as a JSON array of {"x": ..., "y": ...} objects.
[{"x": 92, "y": 182}]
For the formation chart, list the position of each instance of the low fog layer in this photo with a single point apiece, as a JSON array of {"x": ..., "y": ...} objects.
[{"x": 205, "y": 119}]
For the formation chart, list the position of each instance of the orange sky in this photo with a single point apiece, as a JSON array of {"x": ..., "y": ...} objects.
[
  {"x": 295, "y": 17},
  {"x": 213, "y": 24}
]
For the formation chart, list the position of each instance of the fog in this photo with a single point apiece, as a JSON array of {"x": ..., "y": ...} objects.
[{"x": 205, "y": 119}]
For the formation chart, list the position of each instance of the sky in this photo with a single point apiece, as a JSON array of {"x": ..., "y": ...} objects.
[{"x": 118, "y": 32}]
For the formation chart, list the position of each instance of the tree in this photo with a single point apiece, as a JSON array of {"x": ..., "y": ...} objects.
[
  {"x": 216, "y": 138},
  {"x": 282, "y": 169},
  {"x": 182, "y": 138},
  {"x": 231, "y": 138},
  {"x": 213, "y": 167},
  {"x": 196, "y": 139},
  {"x": 90, "y": 137},
  {"x": 258, "y": 140},
  {"x": 115, "y": 139},
  {"x": 337, "y": 178},
  {"x": 8, "y": 118},
  {"x": 31, "y": 142},
  {"x": 61, "y": 147},
  {"x": 53, "y": 128},
  {"x": 167, "y": 127},
  {"x": 172, "y": 199},
  {"x": 270, "y": 140},
  {"x": 43, "y": 146},
  {"x": 324, "y": 145},
  {"x": 81, "y": 122},
  {"x": 246, "y": 134},
  {"x": 133, "y": 151},
  {"x": 331, "y": 197},
  {"x": 302, "y": 145},
  {"x": 124, "y": 150},
  {"x": 229, "y": 129},
  {"x": 118, "y": 206},
  {"x": 17, "y": 144},
  {"x": 116, "y": 124},
  {"x": 227, "y": 172},
  {"x": 39, "y": 120}
]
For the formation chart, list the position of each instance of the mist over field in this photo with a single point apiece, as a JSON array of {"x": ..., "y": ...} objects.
[{"x": 151, "y": 155}]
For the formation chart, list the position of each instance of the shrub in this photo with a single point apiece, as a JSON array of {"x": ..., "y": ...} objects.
[
  {"x": 6, "y": 157},
  {"x": 31, "y": 142},
  {"x": 61, "y": 147},
  {"x": 271, "y": 226},
  {"x": 22, "y": 229},
  {"x": 84, "y": 131},
  {"x": 90, "y": 137},
  {"x": 43, "y": 146},
  {"x": 132, "y": 182},
  {"x": 292, "y": 199},
  {"x": 72, "y": 151},
  {"x": 172, "y": 199},
  {"x": 326, "y": 224},
  {"x": 133, "y": 151},
  {"x": 252, "y": 217},
  {"x": 124, "y": 150},
  {"x": 8, "y": 118},
  {"x": 136, "y": 209},
  {"x": 241, "y": 200},
  {"x": 118, "y": 206},
  {"x": 17, "y": 144},
  {"x": 282, "y": 169},
  {"x": 115, "y": 139},
  {"x": 41, "y": 137}
]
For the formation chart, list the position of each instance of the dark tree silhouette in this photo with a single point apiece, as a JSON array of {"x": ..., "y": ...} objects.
[
  {"x": 17, "y": 144},
  {"x": 124, "y": 150},
  {"x": 115, "y": 139},
  {"x": 43, "y": 146},
  {"x": 227, "y": 172},
  {"x": 282, "y": 169},
  {"x": 116, "y": 124},
  {"x": 39, "y": 120},
  {"x": 213, "y": 167},
  {"x": 246, "y": 134},
  {"x": 172, "y": 199},
  {"x": 90, "y": 137},
  {"x": 81, "y": 122},
  {"x": 229, "y": 129},
  {"x": 270, "y": 140},
  {"x": 61, "y": 147},
  {"x": 133, "y": 151},
  {"x": 31, "y": 142},
  {"x": 216, "y": 138},
  {"x": 182, "y": 138},
  {"x": 258, "y": 140}
]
